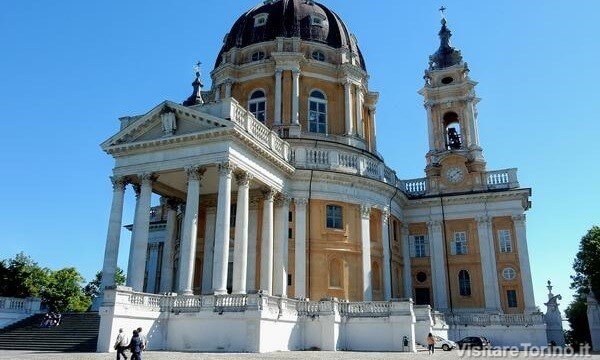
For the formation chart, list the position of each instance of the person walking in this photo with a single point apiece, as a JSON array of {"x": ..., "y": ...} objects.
[
  {"x": 143, "y": 338},
  {"x": 430, "y": 343},
  {"x": 135, "y": 346},
  {"x": 121, "y": 345}
]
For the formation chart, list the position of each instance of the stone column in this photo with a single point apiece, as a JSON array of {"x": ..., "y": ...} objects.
[
  {"x": 209, "y": 250},
  {"x": 300, "y": 250},
  {"x": 228, "y": 86},
  {"x": 373, "y": 111},
  {"x": 240, "y": 248},
  {"x": 252, "y": 237},
  {"x": 521, "y": 233},
  {"x": 221, "y": 259},
  {"x": 348, "y": 107},
  {"x": 218, "y": 92},
  {"x": 438, "y": 265},
  {"x": 430, "y": 127},
  {"x": 137, "y": 189},
  {"x": 365, "y": 226},
  {"x": 295, "y": 97},
  {"x": 113, "y": 237},
  {"x": 266, "y": 256},
  {"x": 488, "y": 264},
  {"x": 166, "y": 279},
  {"x": 141, "y": 231},
  {"x": 359, "y": 115},
  {"x": 385, "y": 234},
  {"x": 277, "y": 103},
  {"x": 280, "y": 247},
  {"x": 406, "y": 271},
  {"x": 189, "y": 235}
]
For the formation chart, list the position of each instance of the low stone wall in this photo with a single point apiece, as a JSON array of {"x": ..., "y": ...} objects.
[
  {"x": 255, "y": 323},
  {"x": 13, "y": 310}
]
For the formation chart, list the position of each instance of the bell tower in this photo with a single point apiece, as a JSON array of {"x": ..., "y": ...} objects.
[{"x": 455, "y": 158}]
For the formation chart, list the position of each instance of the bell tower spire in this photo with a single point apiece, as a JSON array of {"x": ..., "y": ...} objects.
[{"x": 455, "y": 158}]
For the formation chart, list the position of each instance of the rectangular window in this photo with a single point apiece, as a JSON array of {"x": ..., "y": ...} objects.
[
  {"x": 289, "y": 280},
  {"x": 511, "y": 298},
  {"x": 334, "y": 217},
  {"x": 505, "y": 241},
  {"x": 232, "y": 215},
  {"x": 419, "y": 247},
  {"x": 290, "y": 216},
  {"x": 290, "y": 233},
  {"x": 459, "y": 243},
  {"x": 395, "y": 230}
]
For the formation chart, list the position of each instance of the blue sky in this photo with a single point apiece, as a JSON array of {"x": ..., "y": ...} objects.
[{"x": 70, "y": 68}]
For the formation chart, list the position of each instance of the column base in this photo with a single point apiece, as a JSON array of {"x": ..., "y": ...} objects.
[{"x": 220, "y": 292}]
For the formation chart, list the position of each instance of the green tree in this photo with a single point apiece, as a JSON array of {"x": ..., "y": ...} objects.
[
  {"x": 92, "y": 289},
  {"x": 22, "y": 277},
  {"x": 587, "y": 274},
  {"x": 64, "y": 292}
]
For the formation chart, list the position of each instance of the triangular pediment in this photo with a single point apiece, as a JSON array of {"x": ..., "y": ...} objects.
[{"x": 167, "y": 120}]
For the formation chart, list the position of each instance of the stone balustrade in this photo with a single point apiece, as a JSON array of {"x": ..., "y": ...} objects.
[
  {"x": 494, "y": 319},
  {"x": 16, "y": 305}
]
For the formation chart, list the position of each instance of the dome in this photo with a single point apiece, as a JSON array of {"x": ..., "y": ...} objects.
[{"x": 304, "y": 19}]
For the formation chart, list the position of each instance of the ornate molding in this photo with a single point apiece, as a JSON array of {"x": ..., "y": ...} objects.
[
  {"x": 226, "y": 168},
  {"x": 483, "y": 220},
  {"x": 148, "y": 177},
  {"x": 195, "y": 172},
  {"x": 119, "y": 183},
  {"x": 172, "y": 203},
  {"x": 385, "y": 215},
  {"x": 434, "y": 225},
  {"x": 137, "y": 189},
  {"x": 301, "y": 202},
  {"x": 243, "y": 178},
  {"x": 365, "y": 211},
  {"x": 282, "y": 199},
  {"x": 269, "y": 194},
  {"x": 519, "y": 219}
]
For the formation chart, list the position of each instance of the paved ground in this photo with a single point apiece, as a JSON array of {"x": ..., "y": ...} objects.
[{"x": 302, "y": 355}]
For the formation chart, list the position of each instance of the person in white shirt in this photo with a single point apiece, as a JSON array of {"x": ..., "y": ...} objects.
[
  {"x": 143, "y": 338},
  {"x": 121, "y": 345}
]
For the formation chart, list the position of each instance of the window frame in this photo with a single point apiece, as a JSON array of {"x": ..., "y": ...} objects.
[
  {"x": 261, "y": 19},
  {"x": 464, "y": 283},
  {"x": 512, "y": 300},
  {"x": 505, "y": 241},
  {"x": 510, "y": 270},
  {"x": 258, "y": 55},
  {"x": 318, "y": 55},
  {"x": 256, "y": 103},
  {"x": 334, "y": 218},
  {"x": 459, "y": 243},
  {"x": 318, "y": 101}
]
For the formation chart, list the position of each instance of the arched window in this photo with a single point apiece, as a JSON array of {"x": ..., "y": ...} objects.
[
  {"x": 317, "y": 112},
  {"x": 464, "y": 283},
  {"x": 257, "y": 105},
  {"x": 335, "y": 274},
  {"x": 452, "y": 127},
  {"x": 376, "y": 276}
]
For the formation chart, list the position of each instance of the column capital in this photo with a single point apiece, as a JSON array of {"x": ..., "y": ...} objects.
[
  {"x": 172, "y": 203},
  {"x": 483, "y": 220},
  {"x": 301, "y": 202},
  {"x": 405, "y": 229},
  {"x": 296, "y": 72},
  {"x": 282, "y": 199},
  {"x": 195, "y": 172},
  {"x": 435, "y": 225},
  {"x": 119, "y": 182},
  {"x": 385, "y": 215},
  {"x": 269, "y": 194},
  {"x": 278, "y": 72},
  {"x": 243, "y": 178},
  {"x": 137, "y": 189},
  {"x": 365, "y": 211},
  {"x": 226, "y": 168},
  {"x": 148, "y": 177},
  {"x": 520, "y": 219}
]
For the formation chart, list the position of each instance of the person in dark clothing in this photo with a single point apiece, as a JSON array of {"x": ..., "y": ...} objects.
[{"x": 135, "y": 346}]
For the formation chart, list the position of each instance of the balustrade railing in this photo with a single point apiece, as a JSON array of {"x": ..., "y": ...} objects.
[
  {"x": 230, "y": 303},
  {"x": 365, "y": 309},
  {"x": 18, "y": 305},
  {"x": 494, "y": 319}
]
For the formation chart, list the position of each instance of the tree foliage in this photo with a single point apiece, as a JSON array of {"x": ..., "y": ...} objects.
[
  {"x": 60, "y": 290},
  {"x": 587, "y": 274},
  {"x": 92, "y": 289}
]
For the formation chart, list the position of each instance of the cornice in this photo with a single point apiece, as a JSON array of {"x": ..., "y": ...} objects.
[{"x": 459, "y": 199}]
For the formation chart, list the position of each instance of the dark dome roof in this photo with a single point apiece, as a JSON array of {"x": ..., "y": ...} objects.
[{"x": 290, "y": 18}]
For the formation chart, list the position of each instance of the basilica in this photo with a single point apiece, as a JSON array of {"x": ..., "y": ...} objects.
[{"x": 280, "y": 226}]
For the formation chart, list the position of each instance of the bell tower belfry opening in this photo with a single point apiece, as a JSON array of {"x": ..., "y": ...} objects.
[{"x": 451, "y": 103}]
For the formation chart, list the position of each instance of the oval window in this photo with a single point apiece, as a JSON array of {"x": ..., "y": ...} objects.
[
  {"x": 421, "y": 277},
  {"x": 447, "y": 80}
]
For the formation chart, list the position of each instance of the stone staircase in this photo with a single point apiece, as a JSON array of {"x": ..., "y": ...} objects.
[{"x": 78, "y": 332}]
